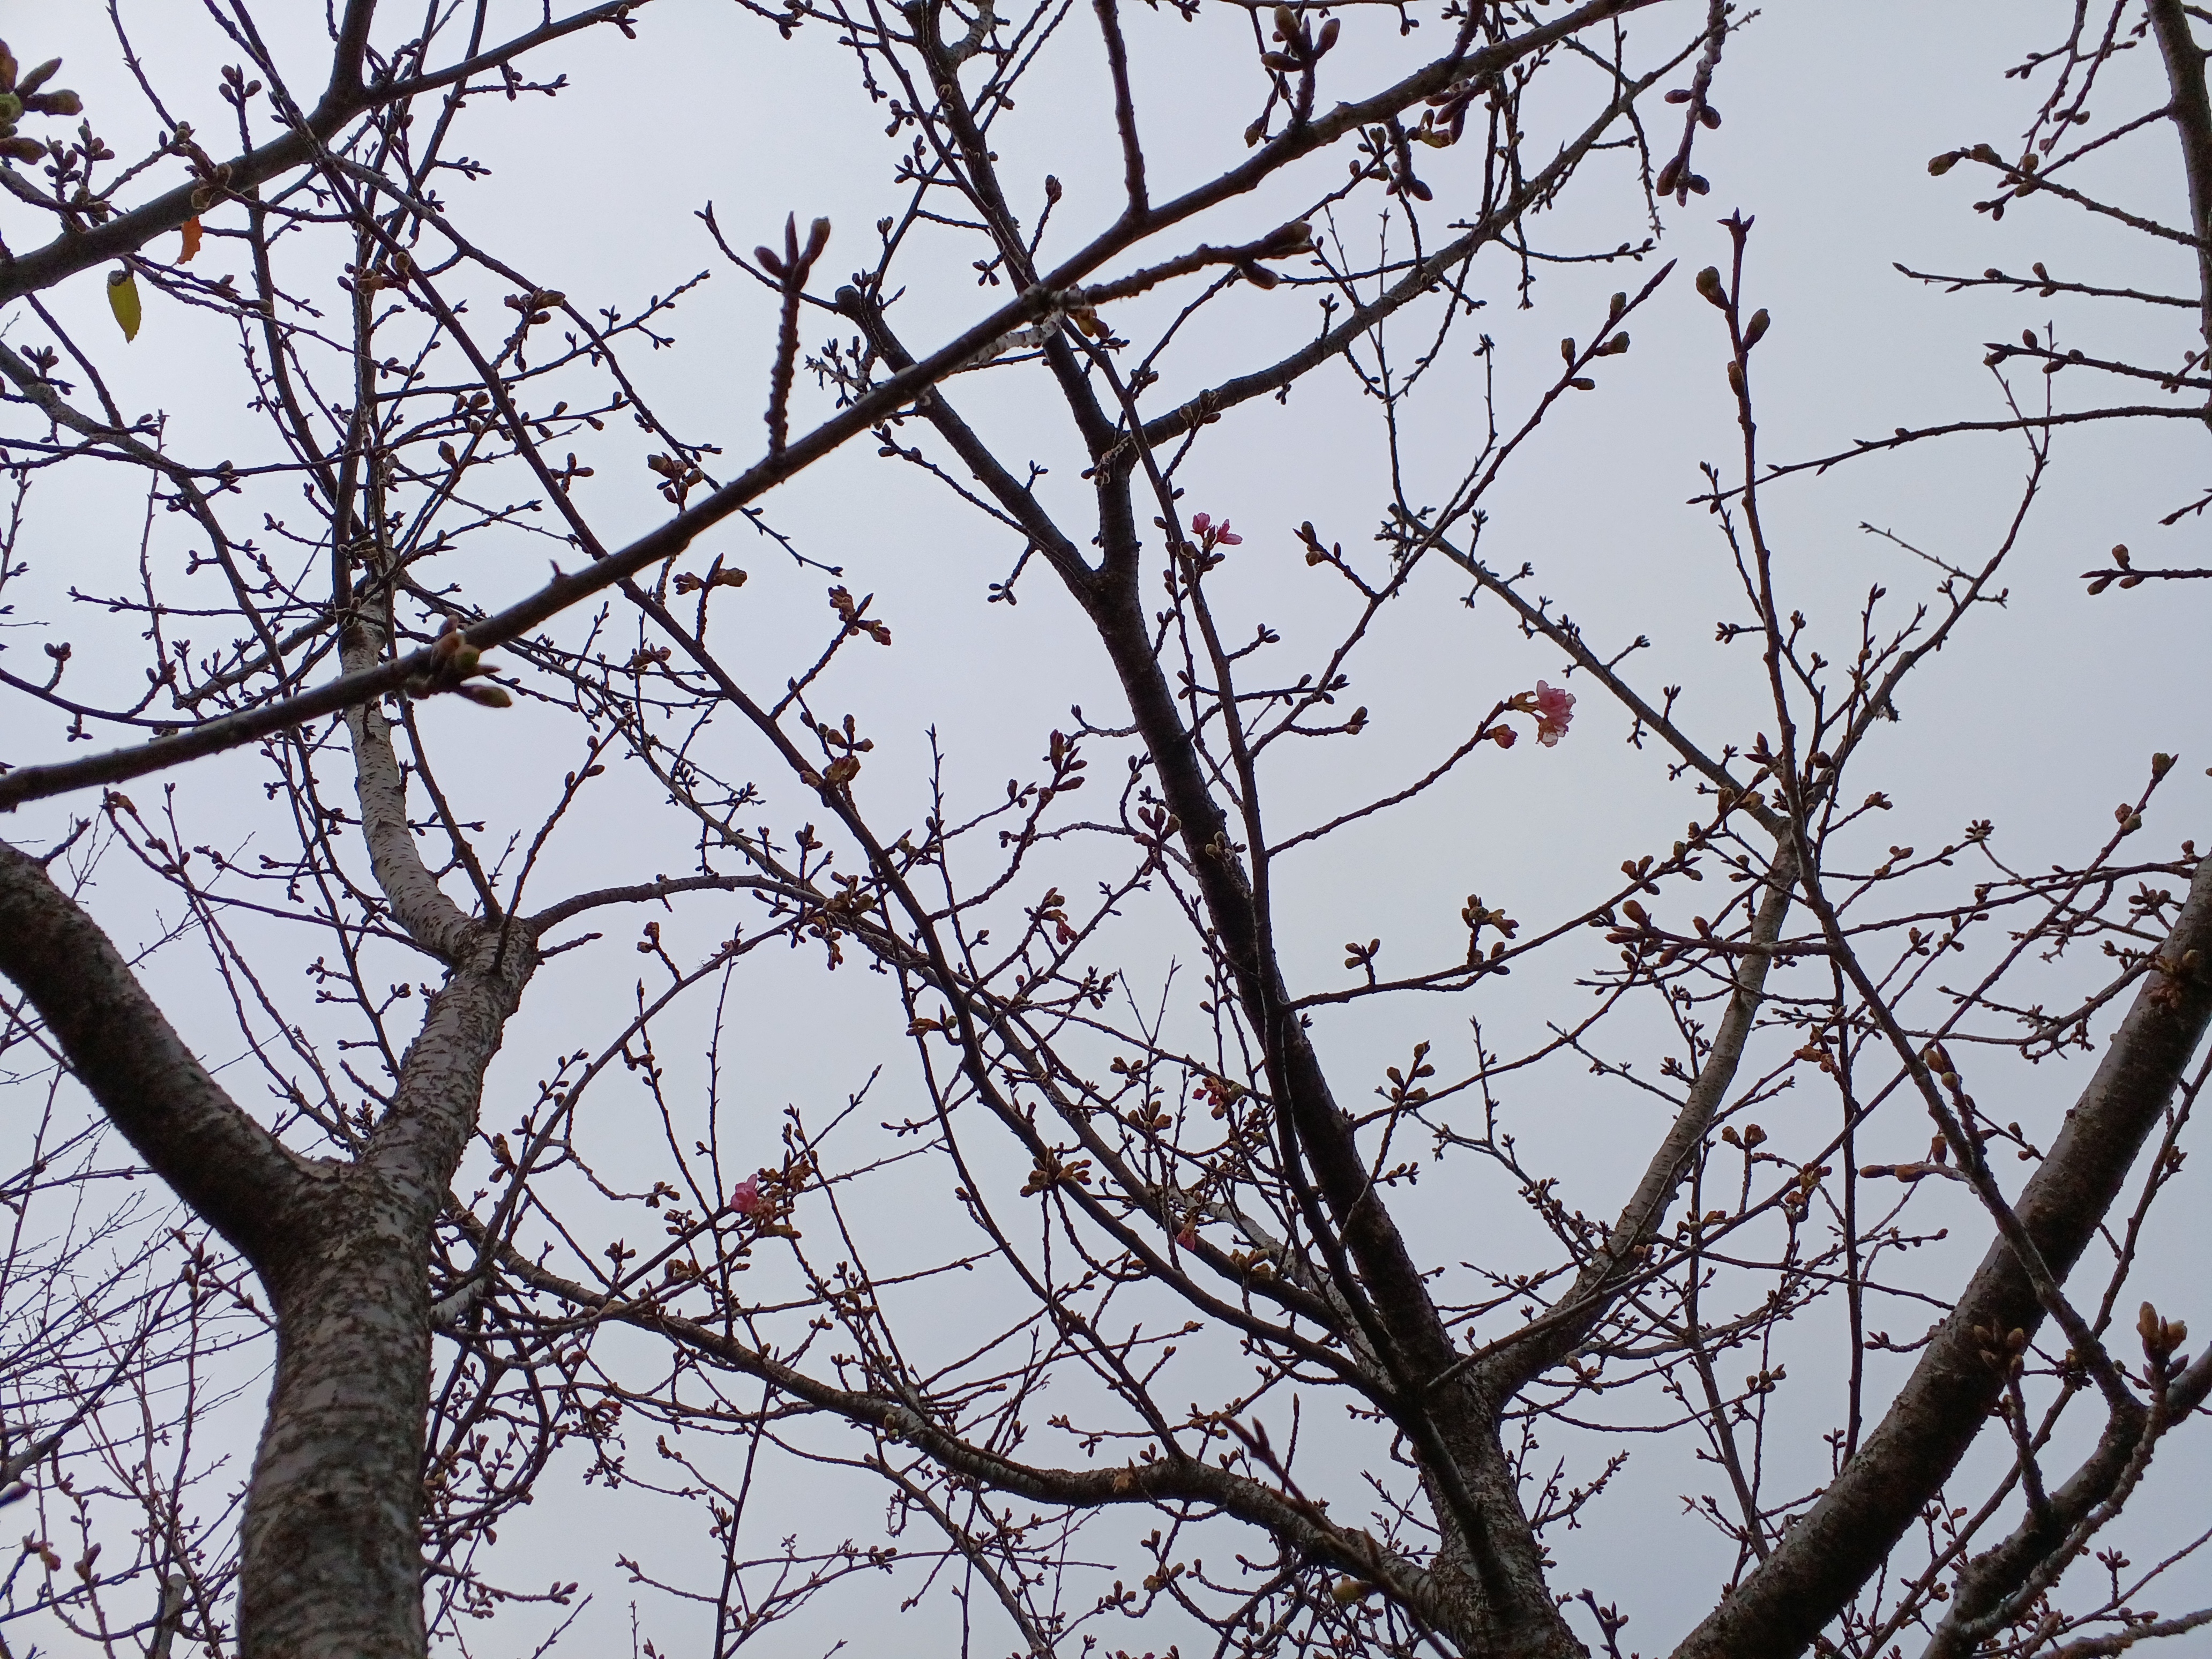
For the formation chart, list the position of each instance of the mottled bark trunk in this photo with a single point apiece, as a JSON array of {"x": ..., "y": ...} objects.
[
  {"x": 332, "y": 1557},
  {"x": 333, "y": 1562}
]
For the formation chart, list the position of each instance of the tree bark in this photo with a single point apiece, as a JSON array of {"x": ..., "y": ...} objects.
[{"x": 333, "y": 1562}]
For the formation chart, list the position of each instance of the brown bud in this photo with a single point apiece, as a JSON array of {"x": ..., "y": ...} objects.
[{"x": 1708, "y": 284}]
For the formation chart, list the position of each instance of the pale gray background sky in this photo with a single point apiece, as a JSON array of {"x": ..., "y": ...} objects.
[{"x": 2040, "y": 718}]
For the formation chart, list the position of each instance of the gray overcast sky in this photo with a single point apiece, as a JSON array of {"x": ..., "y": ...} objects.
[{"x": 2040, "y": 718}]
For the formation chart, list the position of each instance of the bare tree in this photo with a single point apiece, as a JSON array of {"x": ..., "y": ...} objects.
[{"x": 1106, "y": 1145}]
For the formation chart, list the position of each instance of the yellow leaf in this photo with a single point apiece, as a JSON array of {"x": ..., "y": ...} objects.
[
  {"x": 123, "y": 301},
  {"x": 191, "y": 229}
]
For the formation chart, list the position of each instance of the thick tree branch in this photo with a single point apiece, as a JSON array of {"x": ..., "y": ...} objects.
[
  {"x": 2191, "y": 110},
  {"x": 1547, "y": 1341},
  {"x": 1825, "y": 1559},
  {"x": 234, "y": 1173}
]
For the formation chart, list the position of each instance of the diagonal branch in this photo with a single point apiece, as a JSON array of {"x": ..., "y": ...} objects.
[
  {"x": 238, "y": 1177},
  {"x": 1822, "y": 1562}
]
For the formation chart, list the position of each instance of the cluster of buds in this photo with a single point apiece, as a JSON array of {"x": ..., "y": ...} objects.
[
  {"x": 1066, "y": 759},
  {"x": 1476, "y": 918},
  {"x": 765, "y": 1198},
  {"x": 682, "y": 474},
  {"x": 2001, "y": 1351},
  {"x": 791, "y": 267},
  {"x": 1798, "y": 1197},
  {"x": 236, "y": 88},
  {"x": 1675, "y": 178},
  {"x": 1052, "y": 910},
  {"x": 1300, "y": 49},
  {"x": 19, "y": 96},
  {"x": 844, "y": 746},
  {"x": 1218, "y": 1093},
  {"x": 453, "y": 662},
  {"x": 1389, "y": 150},
  {"x": 853, "y": 613},
  {"x": 1937, "y": 1059},
  {"x": 1159, "y": 824},
  {"x": 1052, "y": 1171},
  {"x": 1445, "y": 118},
  {"x": 2161, "y": 1337},
  {"x": 1203, "y": 550},
  {"x": 2122, "y": 575},
  {"x": 717, "y": 575},
  {"x": 535, "y": 307}
]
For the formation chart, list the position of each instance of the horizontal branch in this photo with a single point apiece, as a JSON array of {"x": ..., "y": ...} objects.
[
  {"x": 1171, "y": 1478},
  {"x": 1905, "y": 435}
]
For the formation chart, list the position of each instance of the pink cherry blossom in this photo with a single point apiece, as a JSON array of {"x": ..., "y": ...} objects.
[
  {"x": 1200, "y": 523},
  {"x": 1555, "y": 707},
  {"x": 1503, "y": 736},
  {"x": 1188, "y": 1238},
  {"x": 1203, "y": 526},
  {"x": 746, "y": 1199}
]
